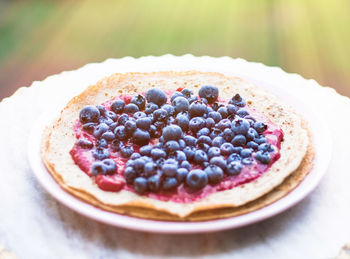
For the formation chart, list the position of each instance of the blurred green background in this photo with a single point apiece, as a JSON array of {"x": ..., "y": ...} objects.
[{"x": 39, "y": 38}]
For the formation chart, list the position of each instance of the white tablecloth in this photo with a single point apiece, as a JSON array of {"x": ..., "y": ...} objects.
[{"x": 34, "y": 225}]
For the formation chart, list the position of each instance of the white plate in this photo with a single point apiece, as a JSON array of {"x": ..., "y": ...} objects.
[{"x": 323, "y": 146}]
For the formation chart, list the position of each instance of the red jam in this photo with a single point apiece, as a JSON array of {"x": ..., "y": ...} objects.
[{"x": 182, "y": 194}]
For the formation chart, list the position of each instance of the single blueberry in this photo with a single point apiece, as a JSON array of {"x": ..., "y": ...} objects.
[
  {"x": 218, "y": 141},
  {"x": 182, "y": 120},
  {"x": 139, "y": 115},
  {"x": 192, "y": 99},
  {"x": 100, "y": 129},
  {"x": 130, "y": 174},
  {"x": 149, "y": 169},
  {"x": 228, "y": 134},
  {"x": 239, "y": 140},
  {"x": 118, "y": 106},
  {"x": 246, "y": 152},
  {"x": 181, "y": 104},
  {"x": 123, "y": 119},
  {"x": 226, "y": 149},
  {"x": 200, "y": 156},
  {"x": 219, "y": 161},
  {"x": 126, "y": 151},
  {"x": 185, "y": 164},
  {"x": 251, "y": 134},
  {"x": 153, "y": 131},
  {"x": 187, "y": 92},
  {"x": 84, "y": 143},
  {"x": 209, "y": 92},
  {"x": 172, "y": 132},
  {"x": 169, "y": 169},
  {"x": 204, "y": 147},
  {"x": 209, "y": 123},
  {"x": 237, "y": 100},
  {"x": 260, "y": 140},
  {"x": 169, "y": 109},
  {"x": 89, "y": 114},
  {"x": 260, "y": 127},
  {"x": 190, "y": 140},
  {"x": 131, "y": 108},
  {"x": 247, "y": 161},
  {"x": 181, "y": 174},
  {"x": 234, "y": 168},
  {"x": 237, "y": 150},
  {"x": 216, "y": 116},
  {"x": 182, "y": 144},
  {"x": 253, "y": 145},
  {"x": 203, "y": 132},
  {"x": 224, "y": 124},
  {"x": 144, "y": 123},
  {"x": 215, "y": 174},
  {"x": 231, "y": 109},
  {"x": 196, "y": 124},
  {"x": 130, "y": 127},
  {"x": 180, "y": 156},
  {"x": 101, "y": 109},
  {"x": 175, "y": 95},
  {"x": 242, "y": 113},
  {"x": 108, "y": 136},
  {"x": 171, "y": 146},
  {"x": 146, "y": 150},
  {"x": 98, "y": 168},
  {"x": 223, "y": 111},
  {"x": 120, "y": 133},
  {"x": 240, "y": 126},
  {"x": 169, "y": 183},
  {"x": 154, "y": 183},
  {"x": 139, "y": 100},
  {"x": 100, "y": 153},
  {"x": 141, "y": 137},
  {"x": 151, "y": 107},
  {"x": 160, "y": 115},
  {"x": 233, "y": 157},
  {"x": 155, "y": 95},
  {"x": 89, "y": 127},
  {"x": 110, "y": 165},
  {"x": 196, "y": 179},
  {"x": 115, "y": 145},
  {"x": 157, "y": 153},
  {"x": 135, "y": 156},
  {"x": 214, "y": 151},
  {"x": 189, "y": 152},
  {"x": 197, "y": 109},
  {"x": 263, "y": 157},
  {"x": 204, "y": 140},
  {"x": 266, "y": 147},
  {"x": 140, "y": 185}
]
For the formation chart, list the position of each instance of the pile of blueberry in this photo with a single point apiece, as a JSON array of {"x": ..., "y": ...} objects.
[{"x": 200, "y": 139}]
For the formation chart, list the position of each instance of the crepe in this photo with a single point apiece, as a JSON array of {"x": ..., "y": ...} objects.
[{"x": 295, "y": 161}]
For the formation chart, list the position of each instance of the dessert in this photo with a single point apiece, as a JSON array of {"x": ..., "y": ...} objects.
[{"x": 175, "y": 144}]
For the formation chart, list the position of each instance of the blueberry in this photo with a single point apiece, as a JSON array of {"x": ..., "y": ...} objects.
[
  {"x": 98, "y": 168},
  {"x": 100, "y": 153},
  {"x": 169, "y": 169},
  {"x": 135, "y": 156},
  {"x": 231, "y": 109},
  {"x": 215, "y": 132},
  {"x": 100, "y": 129},
  {"x": 204, "y": 147},
  {"x": 253, "y": 145},
  {"x": 181, "y": 104},
  {"x": 175, "y": 95},
  {"x": 151, "y": 107},
  {"x": 139, "y": 100},
  {"x": 203, "y": 132},
  {"x": 190, "y": 140},
  {"x": 189, "y": 152},
  {"x": 209, "y": 123},
  {"x": 180, "y": 156},
  {"x": 153, "y": 131},
  {"x": 182, "y": 120},
  {"x": 140, "y": 185},
  {"x": 192, "y": 99},
  {"x": 197, "y": 109},
  {"x": 89, "y": 127},
  {"x": 89, "y": 114},
  {"x": 200, "y": 156},
  {"x": 154, "y": 183},
  {"x": 118, "y": 106},
  {"x": 172, "y": 132},
  {"x": 108, "y": 136},
  {"x": 141, "y": 137},
  {"x": 233, "y": 157},
  {"x": 251, "y": 134},
  {"x": 247, "y": 161},
  {"x": 157, "y": 153},
  {"x": 242, "y": 113},
  {"x": 146, "y": 150},
  {"x": 110, "y": 165},
  {"x": 196, "y": 179},
  {"x": 185, "y": 164},
  {"x": 169, "y": 183},
  {"x": 101, "y": 109},
  {"x": 196, "y": 124},
  {"x": 171, "y": 146},
  {"x": 160, "y": 114},
  {"x": 223, "y": 112},
  {"x": 224, "y": 124},
  {"x": 209, "y": 92},
  {"x": 131, "y": 108},
  {"x": 234, "y": 168},
  {"x": 139, "y": 115},
  {"x": 204, "y": 140},
  {"x": 239, "y": 140},
  {"x": 217, "y": 141},
  {"x": 187, "y": 92},
  {"x": 228, "y": 134},
  {"x": 182, "y": 144},
  {"x": 246, "y": 152},
  {"x": 84, "y": 143},
  {"x": 219, "y": 161},
  {"x": 237, "y": 150},
  {"x": 130, "y": 127},
  {"x": 213, "y": 151},
  {"x": 240, "y": 126},
  {"x": 181, "y": 174},
  {"x": 106, "y": 120},
  {"x": 169, "y": 109},
  {"x": 138, "y": 165},
  {"x": 237, "y": 100},
  {"x": 126, "y": 151},
  {"x": 149, "y": 169},
  {"x": 160, "y": 162},
  {"x": 144, "y": 123},
  {"x": 214, "y": 173},
  {"x": 260, "y": 140},
  {"x": 130, "y": 174},
  {"x": 260, "y": 127},
  {"x": 115, "y": 145},
  {"x": 155, "y": 95},
  {"x": 226, "y": 149},
  {"x": 120, "y": 133},
  {"x": 102, "y": 143},
  {"x": 263, "y": 157},
  {"x": 216, "y": 116},
  {"x": 123, "y": 119}
]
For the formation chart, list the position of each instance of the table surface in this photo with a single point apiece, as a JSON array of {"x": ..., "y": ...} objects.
[{"x": 34, "y": 225}]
